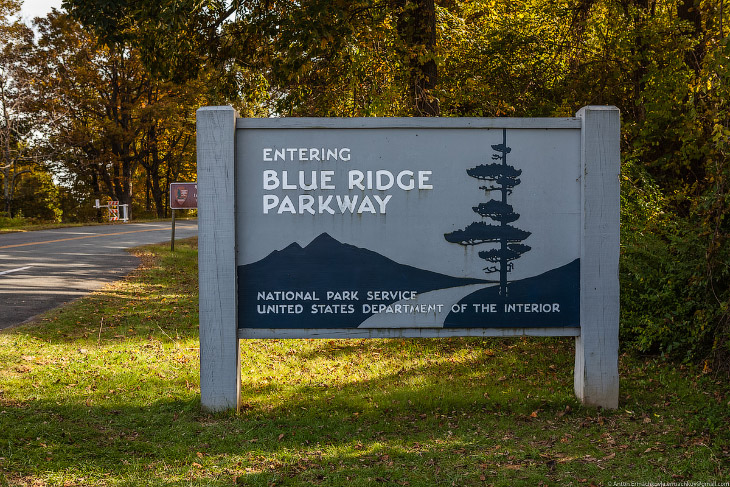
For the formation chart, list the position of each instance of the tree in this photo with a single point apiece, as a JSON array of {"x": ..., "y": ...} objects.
[
  {"x": 104, "y": 88},
  {"x": 120, "y": 119},
  {"x": 37, "y": 196},
  {"x": 501, "y": 177},
  {"x": 416, "y": 25},
  {"x": 664, "y": 64},
  {"x": 166, "y": 148},
  {"x": 310, "y": 55},
  {"x": 17, "y": 122}
]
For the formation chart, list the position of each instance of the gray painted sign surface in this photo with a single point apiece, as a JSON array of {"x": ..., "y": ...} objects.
[{"x": 386, "y": 227}]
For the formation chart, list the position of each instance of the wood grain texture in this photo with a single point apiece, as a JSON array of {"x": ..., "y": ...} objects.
[
  {"x": 596, "y": 357},
  {"x": 220, "y": 379},
  {"x": 293, "y": 333},
  {"x": 415, "y": 122}
]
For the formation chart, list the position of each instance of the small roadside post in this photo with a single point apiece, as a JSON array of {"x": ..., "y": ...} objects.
[
  {"x": 172, "y": 236},
  {"x": 183, "y": 196}
]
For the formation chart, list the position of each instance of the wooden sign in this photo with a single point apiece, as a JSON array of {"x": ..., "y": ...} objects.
[{"x": 409, "y": 228}]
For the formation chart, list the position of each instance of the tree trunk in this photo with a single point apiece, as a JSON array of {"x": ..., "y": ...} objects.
[
  {"x": 159, "y": 196},
  {"x": 6, "y": 190},
  {"x": 689, "y": 11},
  {"x": 127, "y": 173},
  {"x": 157, "y": 192},
  {"x": 417, "y": 28},
  {"x": 147, "y": 190}
]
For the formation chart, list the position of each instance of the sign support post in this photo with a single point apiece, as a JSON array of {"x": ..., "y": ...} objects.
[
  {"x": 183, "y": 196},
  {"x": 220, "y": 359},
  {"x": 596, "y": 349},
  {"x": 172, "y": 237}
]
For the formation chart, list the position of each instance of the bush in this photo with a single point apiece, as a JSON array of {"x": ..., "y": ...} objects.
[
  {"x": 8, "y": 223},
  {"x": 36, "y": 197},
  {"x": 674, "y": 277}
]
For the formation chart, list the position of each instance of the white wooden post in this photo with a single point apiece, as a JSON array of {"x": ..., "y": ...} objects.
[
  {"x": 596, "y": 349},
  {"x": 220, "y": 368}
]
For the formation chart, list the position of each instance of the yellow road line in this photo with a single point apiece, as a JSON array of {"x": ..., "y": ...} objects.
[{"x": 85, "y": 236}]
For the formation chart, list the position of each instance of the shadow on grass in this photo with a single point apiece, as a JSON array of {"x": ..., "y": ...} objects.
[
  {"x": 474, "y": 415},
  {"x": 378, "y": 429},
  {"x": 417, "y": 412},
  {"x": 413, "y": 423},
  {"x": 430, "y": 376},
  {"x": 336, "y": 348}
]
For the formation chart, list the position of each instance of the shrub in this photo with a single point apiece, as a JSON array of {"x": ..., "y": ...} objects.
[{"x": 674, "y": 276}]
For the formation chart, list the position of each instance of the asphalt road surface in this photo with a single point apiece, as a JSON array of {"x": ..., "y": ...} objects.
[{"x": 44, "y": 269}]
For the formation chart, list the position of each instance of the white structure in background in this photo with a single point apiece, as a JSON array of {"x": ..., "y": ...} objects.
[{"x": 115, "y": 211}]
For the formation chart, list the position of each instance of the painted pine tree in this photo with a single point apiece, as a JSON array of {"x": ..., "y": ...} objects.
[{"x": 503, "y": 178}]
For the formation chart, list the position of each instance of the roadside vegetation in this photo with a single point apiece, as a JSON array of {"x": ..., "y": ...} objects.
[
  {"x": 99, "y": 101},
  {"x": 20, "y": 224},
  {"x": 106, "y": 392}
]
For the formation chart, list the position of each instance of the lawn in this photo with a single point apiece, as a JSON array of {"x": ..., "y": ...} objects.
[
  {"x": 106, "y": 392},
  {"x": 20, "y": 224}
]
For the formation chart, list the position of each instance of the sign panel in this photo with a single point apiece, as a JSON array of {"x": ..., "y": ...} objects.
[
  {"x": 338, "y": 228},
  {"x": 183, "y": 196},
  {"x": 407, "y": 228}
]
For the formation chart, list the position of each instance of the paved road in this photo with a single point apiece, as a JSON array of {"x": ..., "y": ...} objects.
[{"x": 44, "y": 269}]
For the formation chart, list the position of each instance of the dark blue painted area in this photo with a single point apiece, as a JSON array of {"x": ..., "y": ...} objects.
[
  {"x": 559, "y": 286},
  {"x": 326, "y": 265}
]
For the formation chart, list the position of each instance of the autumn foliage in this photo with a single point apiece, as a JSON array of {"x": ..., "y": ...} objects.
[{"x": 113, "y": 88}]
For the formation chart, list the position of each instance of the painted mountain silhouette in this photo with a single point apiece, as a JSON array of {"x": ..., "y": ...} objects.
[
  {"x": 560, "y": 286},
  {"x": 326, "y": 265}
]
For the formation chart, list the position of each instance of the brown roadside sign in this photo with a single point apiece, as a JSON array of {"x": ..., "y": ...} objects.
[{"x": 184, "y": 196}]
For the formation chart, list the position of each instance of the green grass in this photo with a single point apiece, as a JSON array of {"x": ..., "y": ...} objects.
[
  {"x": 8, "y": 224},
  {"x": 20, "y": 224},
  {"x": 106, "y": 392}
]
